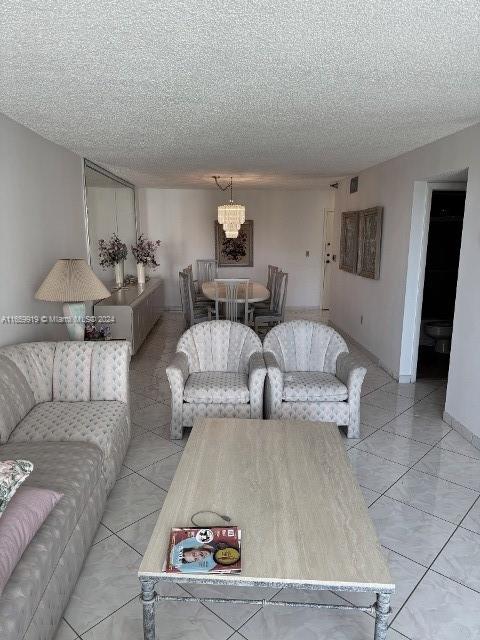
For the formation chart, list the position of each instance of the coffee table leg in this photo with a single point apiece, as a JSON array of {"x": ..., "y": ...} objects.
[
  {"x": 148, "y": 602},
  {"x": 381, "y": 618}
]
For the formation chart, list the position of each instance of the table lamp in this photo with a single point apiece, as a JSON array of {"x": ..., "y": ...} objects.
[{"x": 72, "y": 282}]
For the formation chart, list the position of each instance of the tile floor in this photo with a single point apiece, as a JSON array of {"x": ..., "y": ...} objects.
[{"x": 420, "y": 479}]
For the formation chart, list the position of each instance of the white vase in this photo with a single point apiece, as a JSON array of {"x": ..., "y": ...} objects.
[
  {"x": 119, "y": 274},
  {"x": 140, "y": 273}
]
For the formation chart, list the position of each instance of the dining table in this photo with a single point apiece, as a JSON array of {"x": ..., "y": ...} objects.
[{"x": 257, "y": 292}]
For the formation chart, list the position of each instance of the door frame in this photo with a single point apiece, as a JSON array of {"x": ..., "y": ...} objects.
[
  {"x": 326, "y": 213},
  {"x": 417, "y": 256}
]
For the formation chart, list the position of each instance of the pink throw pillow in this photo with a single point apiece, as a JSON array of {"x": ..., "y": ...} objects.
[{"x": 25, "y": 514}]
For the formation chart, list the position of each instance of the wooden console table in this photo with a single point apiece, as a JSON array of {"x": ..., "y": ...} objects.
[{"x": 136, "y": 308}]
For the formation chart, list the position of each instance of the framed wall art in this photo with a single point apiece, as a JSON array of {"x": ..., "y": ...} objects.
[
  {"x": 349, "y": 241},
  {"x": 234, "y": 252},
  {"x": 369, "y": 242}
]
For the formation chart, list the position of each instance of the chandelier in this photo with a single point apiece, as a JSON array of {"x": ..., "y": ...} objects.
[{"x": 231, "y": 216}]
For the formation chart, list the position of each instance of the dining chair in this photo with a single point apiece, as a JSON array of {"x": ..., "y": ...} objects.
[
  {"x": 232, "y": 295},
  {"x": 265, "y": 305},
  {"x": 192, "y": 313},
  {"x": 198, "y": 300},
  {"x": 206, "y": 271},
  {"x": 276, "y": 313}
]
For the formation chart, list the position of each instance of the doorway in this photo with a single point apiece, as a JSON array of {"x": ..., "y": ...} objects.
[
  {"x": 440, "y": 282},
  {"x": 328, "y": 257}
]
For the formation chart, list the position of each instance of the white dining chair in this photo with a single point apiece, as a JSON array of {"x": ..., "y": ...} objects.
[
  {"x": 276, "y": 313},
  {"x": 192, "y": 313},
  {"x": 267, "y": 304},
  {"x": 231, "y": 298},
  {"x": 206, "y": 271}
]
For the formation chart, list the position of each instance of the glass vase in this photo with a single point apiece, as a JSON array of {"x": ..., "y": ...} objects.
[{"x": 119, "y": 273}]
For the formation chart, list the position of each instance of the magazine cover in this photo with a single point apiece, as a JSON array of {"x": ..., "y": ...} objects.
[{"x": 204, "y": 550}]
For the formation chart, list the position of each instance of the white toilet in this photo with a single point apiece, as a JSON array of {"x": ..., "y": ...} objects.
[{"x": 441, "y": 332}]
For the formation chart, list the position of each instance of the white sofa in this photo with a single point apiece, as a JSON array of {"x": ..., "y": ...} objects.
[
  {"x": 218, "y": 371},
  {"x": 65, "y": 407},
  {"x": 311, "y": 376}
]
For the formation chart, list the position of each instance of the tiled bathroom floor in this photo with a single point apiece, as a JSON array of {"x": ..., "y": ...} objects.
[{"x": 420, "y": 479}]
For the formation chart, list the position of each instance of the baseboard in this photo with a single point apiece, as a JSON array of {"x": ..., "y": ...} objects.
[{"x": 461, "y": 429}]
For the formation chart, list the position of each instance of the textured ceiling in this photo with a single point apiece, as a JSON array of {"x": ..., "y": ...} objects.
[{"x": 290, "y": 92}]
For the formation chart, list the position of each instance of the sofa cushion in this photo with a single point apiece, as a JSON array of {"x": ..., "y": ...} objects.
[
  {"x": 109, "y": 373},
  {"x": 312, "y": 386},
  {"x": 71, "y": 371},
  {"x": 220, "y": 387},
  {"x": 35, "y": 361},
  {"x": 27, "y": 511},
  {"x": 103, "y": 423},
  {"x": 71, "y": 468},
  {"x": 16, "y": 397}
]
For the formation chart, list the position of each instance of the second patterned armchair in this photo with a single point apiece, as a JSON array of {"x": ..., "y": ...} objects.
[
  {"x": 218, "y": 371},
  {"x": 311, "y": 376}
]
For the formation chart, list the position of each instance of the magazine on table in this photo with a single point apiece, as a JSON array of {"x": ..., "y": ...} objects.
[{"x": 204, "y": 550}]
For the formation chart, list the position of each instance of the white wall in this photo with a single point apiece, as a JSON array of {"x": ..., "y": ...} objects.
[
  {"x": 41, "y": 219},
  {"x": 381, "y": 302},
  {"x": 286, "y": 225}
]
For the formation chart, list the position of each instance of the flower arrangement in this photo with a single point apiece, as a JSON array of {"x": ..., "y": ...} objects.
[
  {"x": 144, "y": 251},
  {"x": 112, "y": 252}
]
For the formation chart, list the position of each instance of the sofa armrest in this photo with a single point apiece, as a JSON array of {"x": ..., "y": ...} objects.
[
  {"x": 256, "y": 382},
  {"x": 273, "y": 387}
]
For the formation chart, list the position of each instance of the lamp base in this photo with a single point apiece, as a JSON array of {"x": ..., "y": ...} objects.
[{"x": 76, "y": 312}]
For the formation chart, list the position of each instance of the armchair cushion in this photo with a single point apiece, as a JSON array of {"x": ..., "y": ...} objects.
[
  {"x": 218, "y": 387},
  {"x": 312, "y": 386}
]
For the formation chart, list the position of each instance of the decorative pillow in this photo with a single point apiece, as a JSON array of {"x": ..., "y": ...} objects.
[
  {"x": 12, "y": 474},
  {"x": 27, "y": 511}
]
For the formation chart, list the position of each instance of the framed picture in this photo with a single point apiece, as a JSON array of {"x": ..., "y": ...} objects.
[
  {"x": 234, "y": 252},
  {"x": 369, "y": 242},
  {"x": 349, "y": 241}
]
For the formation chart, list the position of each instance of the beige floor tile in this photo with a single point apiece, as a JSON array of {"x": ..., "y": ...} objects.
[{"x": 131, "y": 498}]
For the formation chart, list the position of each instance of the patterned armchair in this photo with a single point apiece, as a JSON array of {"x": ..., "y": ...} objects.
[
  {"x": 311, "y": 376},
  {"x": 218, "y": 371}
]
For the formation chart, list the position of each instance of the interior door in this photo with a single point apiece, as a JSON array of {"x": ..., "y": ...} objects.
[{"x": 327, "y": 257}]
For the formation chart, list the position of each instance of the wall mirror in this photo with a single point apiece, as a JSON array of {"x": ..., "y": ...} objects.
[{"x": 110, "y": 208}]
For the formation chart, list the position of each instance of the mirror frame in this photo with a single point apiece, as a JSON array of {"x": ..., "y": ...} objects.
[{"x": 95, "y": 167}]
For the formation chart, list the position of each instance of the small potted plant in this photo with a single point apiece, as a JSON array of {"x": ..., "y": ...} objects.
[
  {"x": 113, "y": 254},
  {"x": 144, "y": 254}
]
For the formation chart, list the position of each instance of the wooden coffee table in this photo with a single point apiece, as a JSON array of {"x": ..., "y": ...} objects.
[{"x": 284, "y": 484}]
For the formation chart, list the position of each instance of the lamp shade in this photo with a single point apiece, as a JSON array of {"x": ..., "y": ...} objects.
[{"x": 71, "y": 280}]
